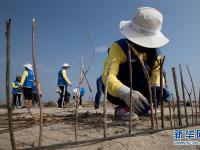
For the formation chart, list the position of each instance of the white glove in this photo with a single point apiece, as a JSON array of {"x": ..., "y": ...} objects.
[{"x": 138, "y": 100}]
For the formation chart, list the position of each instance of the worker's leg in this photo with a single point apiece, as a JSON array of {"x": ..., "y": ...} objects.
[
  {"x": 19, "y": 100},
  {"x": 61, "y": 96},
  {"x": 98, "y": 94},
  {"x": 15, "y": 100},
  {"x": 80, "y": 103}
]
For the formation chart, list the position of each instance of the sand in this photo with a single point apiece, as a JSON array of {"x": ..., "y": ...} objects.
[{"x": 58, "y": 131}]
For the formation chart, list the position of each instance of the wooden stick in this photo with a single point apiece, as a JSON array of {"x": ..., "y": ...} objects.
[
  {"x": 195, "y": 99},
  {"x": 131, "y": 88},
  {"x": 148, "y": 83},
  {"x": 199, "y": 102},
  {"x": 155, "y": 98},
  {"x": 105, "y": 99},
  {"x": 174, "y": 112},
  {"x": 77, "y": 101},
  {"x": 190, "y": 99},
  {"x": 37, "y": 83},
  {"x": 183, "y": 92},
  {"x": 177, "y": 96},
  {"x": 10, "y": 125},
  {"x": 170, "y": 114},
  {"x": 169, "y": 103},
  {"x": 161, "y": 93}
]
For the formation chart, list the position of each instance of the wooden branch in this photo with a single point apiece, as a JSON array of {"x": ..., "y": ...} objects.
[
  {"x": 189, "y": 95},
  {"x": 131, "y": 88},
  {"x": 161, "y": 93},
  {"x": 10, "y": 125},
  {"x": 174, "y": 112},
  {"x": 155, "y": 99},
  {"x": 148, "y": 83},
  {"x": 105, "y": 99},
  {"x": 177, "y": 96},
  {"x": 183, "y": 92},
  {"x": 37, "y": 83},
  {"x": 195, "y": 99}
]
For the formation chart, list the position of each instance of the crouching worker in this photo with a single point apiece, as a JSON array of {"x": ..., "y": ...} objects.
[
  {"x": 63, "y": 82},
  {"x": 143, "y": 33},
  {"x": 80, "y": 94},
  {"x": 35, "y": 94},
  {"x": 16, "y": 92}
]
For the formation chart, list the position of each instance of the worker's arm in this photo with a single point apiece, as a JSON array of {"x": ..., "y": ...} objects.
[
  {"x": 114, "y": 84},
  {"x": 155, "y": 73},
  {"x": 64, "y": 74},
  {"x": 14, "y": 86},
  {"x": 25, "y": 74}
]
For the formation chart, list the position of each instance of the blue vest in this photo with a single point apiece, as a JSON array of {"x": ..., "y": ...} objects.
[
  {"x": 82, "y": 91},
  {"x": 61, "y": 81},
  {"x": 16, "y": 90},
  {"x": 29, "y": 81}
]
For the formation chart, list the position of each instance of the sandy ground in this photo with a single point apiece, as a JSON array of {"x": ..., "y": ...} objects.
[{"x": 58, "y": 131}]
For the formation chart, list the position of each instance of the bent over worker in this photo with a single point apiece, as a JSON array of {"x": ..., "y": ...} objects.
[
  {"x": 63, "y": 82},
  {"x": 143, "y": 34},
  {"x": 27, "y": 83},
  {"x": 16, "y": 92}
]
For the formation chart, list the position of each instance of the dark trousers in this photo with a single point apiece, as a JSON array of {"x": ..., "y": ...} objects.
[
  {"x": 99, "y": 92},
  {"x": 64, "y": 96},
  {"x": 35, "y": 99},
  {"x": 17, "y": 99}
]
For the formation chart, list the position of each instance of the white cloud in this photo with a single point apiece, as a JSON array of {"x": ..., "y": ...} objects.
[{"x": 101, "y": 49}]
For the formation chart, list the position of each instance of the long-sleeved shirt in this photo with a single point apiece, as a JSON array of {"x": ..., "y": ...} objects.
[
  {"x": 118, "y": 54},
  {"x": 65, "y": 76}
]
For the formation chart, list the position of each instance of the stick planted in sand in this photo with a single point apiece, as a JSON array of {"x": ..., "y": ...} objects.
[
  {"x": 177, "y": 96},
  {"x": 10, "y": 125},
  {"x": 161, "y": 93}
]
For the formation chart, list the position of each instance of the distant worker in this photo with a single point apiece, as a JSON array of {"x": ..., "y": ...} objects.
[
  {"x": 27, "y": 83},
  {"x": 35, "y": 94},
  {"x": 144, "y": 35},
  {"x": 63, "y": 83},
  {"x": 16, "y": 92},
  {"x": 80, "y": 94},
  {"x": 99, "y": 92}
]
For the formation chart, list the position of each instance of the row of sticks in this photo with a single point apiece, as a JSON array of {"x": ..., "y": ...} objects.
[{"x": 82, "y": 76}]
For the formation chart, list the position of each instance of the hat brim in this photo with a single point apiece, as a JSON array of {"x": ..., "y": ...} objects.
[
  {"x": 150, "y": 41},
  {"x": 28, "y": 67}
]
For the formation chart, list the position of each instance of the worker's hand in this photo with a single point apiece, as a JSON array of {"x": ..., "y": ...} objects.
[{"x": 140, "y": 104}]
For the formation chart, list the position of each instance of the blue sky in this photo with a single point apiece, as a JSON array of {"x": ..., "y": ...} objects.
[{"x": 61, "y": 27}]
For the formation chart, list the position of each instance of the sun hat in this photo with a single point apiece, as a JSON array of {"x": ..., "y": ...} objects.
[
  {"x": 145, "y": 28},
  {"x": 29, "y": 66},
  {"x": 66, "y": 65}
]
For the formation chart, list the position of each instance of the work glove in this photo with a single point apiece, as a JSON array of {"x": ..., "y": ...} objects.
[{"x": 140, "y": 104}]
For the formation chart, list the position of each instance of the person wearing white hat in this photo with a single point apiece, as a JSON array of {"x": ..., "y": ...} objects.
[
  {"x": 27, "y": 83},
  {"x": 63, "y": 82},
  {"x": 143, "y": 34}
]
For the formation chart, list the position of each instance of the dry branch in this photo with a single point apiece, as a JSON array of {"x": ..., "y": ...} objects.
[
  {"x": 104, "y": 100},
  {"x": 131, "y": 88},
  {"x": 148, "y": 83},
  {"x": 155, "y": 99},
  {"x": 161, "y": 93},
  {"x": 183, "y": 92},
  {"x": 37, "y": 84},
  {"x": 190, "y": 99},
  {"x": 177, "y": 96},
  {"x": 195, "y": 99},
  {"x": 10, "y": 125}
]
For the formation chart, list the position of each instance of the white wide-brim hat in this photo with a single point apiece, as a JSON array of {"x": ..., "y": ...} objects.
[
  {"x": 66, "y": 65},
  {"x": 145, "y": 28},
  {"x": 29, "y": 66}
]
